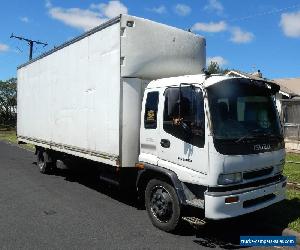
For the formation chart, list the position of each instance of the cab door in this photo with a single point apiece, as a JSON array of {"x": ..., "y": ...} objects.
[{"x": 182, "y": 130}]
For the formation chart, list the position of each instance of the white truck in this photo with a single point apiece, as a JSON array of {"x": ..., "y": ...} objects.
[{"x": 131, "y": 94}]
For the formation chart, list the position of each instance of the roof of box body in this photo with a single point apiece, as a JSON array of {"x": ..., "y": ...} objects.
[
  {"x": 74, "y": 40},
  {"x": 92, "y": 31}
]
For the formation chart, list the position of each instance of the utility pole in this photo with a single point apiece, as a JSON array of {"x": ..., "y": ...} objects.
[{"x": 30, "y": 43}]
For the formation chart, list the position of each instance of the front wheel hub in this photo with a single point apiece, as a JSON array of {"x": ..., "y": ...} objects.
[{"x": 161, "y": 204}]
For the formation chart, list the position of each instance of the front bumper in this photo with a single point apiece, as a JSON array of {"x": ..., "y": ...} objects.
[{"x": 249, "y": 200}]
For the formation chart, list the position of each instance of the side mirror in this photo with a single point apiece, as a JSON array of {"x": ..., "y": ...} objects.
[{"x": 181, "y": 100}]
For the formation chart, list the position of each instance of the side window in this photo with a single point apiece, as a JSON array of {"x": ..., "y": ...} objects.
[
  {"x": 184, "y": 115},
  {"x": 150, "y": 118}
]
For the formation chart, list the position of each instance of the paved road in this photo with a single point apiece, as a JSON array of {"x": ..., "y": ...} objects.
[{"x": 71, "y": 210}]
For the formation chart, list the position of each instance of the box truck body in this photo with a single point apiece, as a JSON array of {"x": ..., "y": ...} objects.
[
  {"x": 132, "y": 94},
  {"x": 84, "y": 97}
]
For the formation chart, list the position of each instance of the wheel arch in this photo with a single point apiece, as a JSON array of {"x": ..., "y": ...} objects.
[{"x": 155, "y": 172}]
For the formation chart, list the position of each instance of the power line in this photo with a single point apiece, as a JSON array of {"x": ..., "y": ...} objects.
[
  {"x": 264, "y": 13},
  {"x": 30, "y": 43}
]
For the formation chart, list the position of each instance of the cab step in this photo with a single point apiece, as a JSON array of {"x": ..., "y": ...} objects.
[{"x": 194, "y": 221}]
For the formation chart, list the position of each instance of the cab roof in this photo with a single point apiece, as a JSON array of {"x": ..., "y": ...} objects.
[{"x": 201, "y": 79}]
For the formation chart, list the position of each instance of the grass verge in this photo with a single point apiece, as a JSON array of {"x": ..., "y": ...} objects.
[
  {"x": 294, "y": 197},
  {"x": 9, "y": 135},
  {"x": 292, "y": 170},
  {"x": 289, "y": 210},
  {"x": 285, "y": 214}
]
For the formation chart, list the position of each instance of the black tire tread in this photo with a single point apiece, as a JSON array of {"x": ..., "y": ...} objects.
[
  {"x": 42, "y": 155},
  {"x": 174, "y": 223}
]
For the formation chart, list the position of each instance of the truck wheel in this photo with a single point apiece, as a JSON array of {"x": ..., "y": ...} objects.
[
  {"x": 162, "y": 205},
  {"x": 42, "y": 161}
]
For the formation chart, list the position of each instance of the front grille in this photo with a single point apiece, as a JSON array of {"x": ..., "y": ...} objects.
[
  {"x": 257, "y": 173},
  {"x": 253, "y": 202}
]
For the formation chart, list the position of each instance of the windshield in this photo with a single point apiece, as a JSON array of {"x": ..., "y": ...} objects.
[{"x": 241, "y": 109}]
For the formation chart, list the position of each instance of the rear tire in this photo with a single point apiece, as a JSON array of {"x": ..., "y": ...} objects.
[
  {"x": 162, "y": 205},
  {"x": 44, "y": 162}
]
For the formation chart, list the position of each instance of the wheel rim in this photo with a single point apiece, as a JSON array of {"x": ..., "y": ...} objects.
[{"x": 161, "y": 204}]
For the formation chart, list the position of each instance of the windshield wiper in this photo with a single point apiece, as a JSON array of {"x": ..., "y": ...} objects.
[
  {"x": 268, "y": 134},
  {"x": 250, "y": 135}
]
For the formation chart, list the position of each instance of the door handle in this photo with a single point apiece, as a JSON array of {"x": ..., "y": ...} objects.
[{"x": 165, "y": 143}]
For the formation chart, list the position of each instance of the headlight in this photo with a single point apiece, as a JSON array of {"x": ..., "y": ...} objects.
[{"x": 225, "y": 179}]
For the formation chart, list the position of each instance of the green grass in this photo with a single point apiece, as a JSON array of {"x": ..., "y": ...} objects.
[
  {"x": 285, "y": 214},
  {"x": 8, "y": 134},
  {"x": 292, "y": 170},
  {"x": 289, "y": 210},
  {"x": 294, "y": 196}
]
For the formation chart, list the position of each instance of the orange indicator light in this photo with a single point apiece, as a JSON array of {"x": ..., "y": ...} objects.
[{"x": 232, "y": 199}]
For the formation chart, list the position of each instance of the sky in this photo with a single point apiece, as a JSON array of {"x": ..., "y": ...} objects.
[{"x": 246, "y": 35}]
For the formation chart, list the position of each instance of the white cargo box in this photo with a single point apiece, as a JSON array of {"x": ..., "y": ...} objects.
[{"x": 84, "y": 97}]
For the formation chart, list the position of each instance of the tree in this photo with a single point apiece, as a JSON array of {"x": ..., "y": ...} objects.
[
  {"x": 214, "y": 68},
  {"x": 8, "y": 101}
]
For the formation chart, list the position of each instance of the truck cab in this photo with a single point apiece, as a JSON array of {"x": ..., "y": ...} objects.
[{"x": 212, "y": 142}]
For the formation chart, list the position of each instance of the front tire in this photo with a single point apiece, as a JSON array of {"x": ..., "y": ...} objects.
[{"x": 162, "y": 205}]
